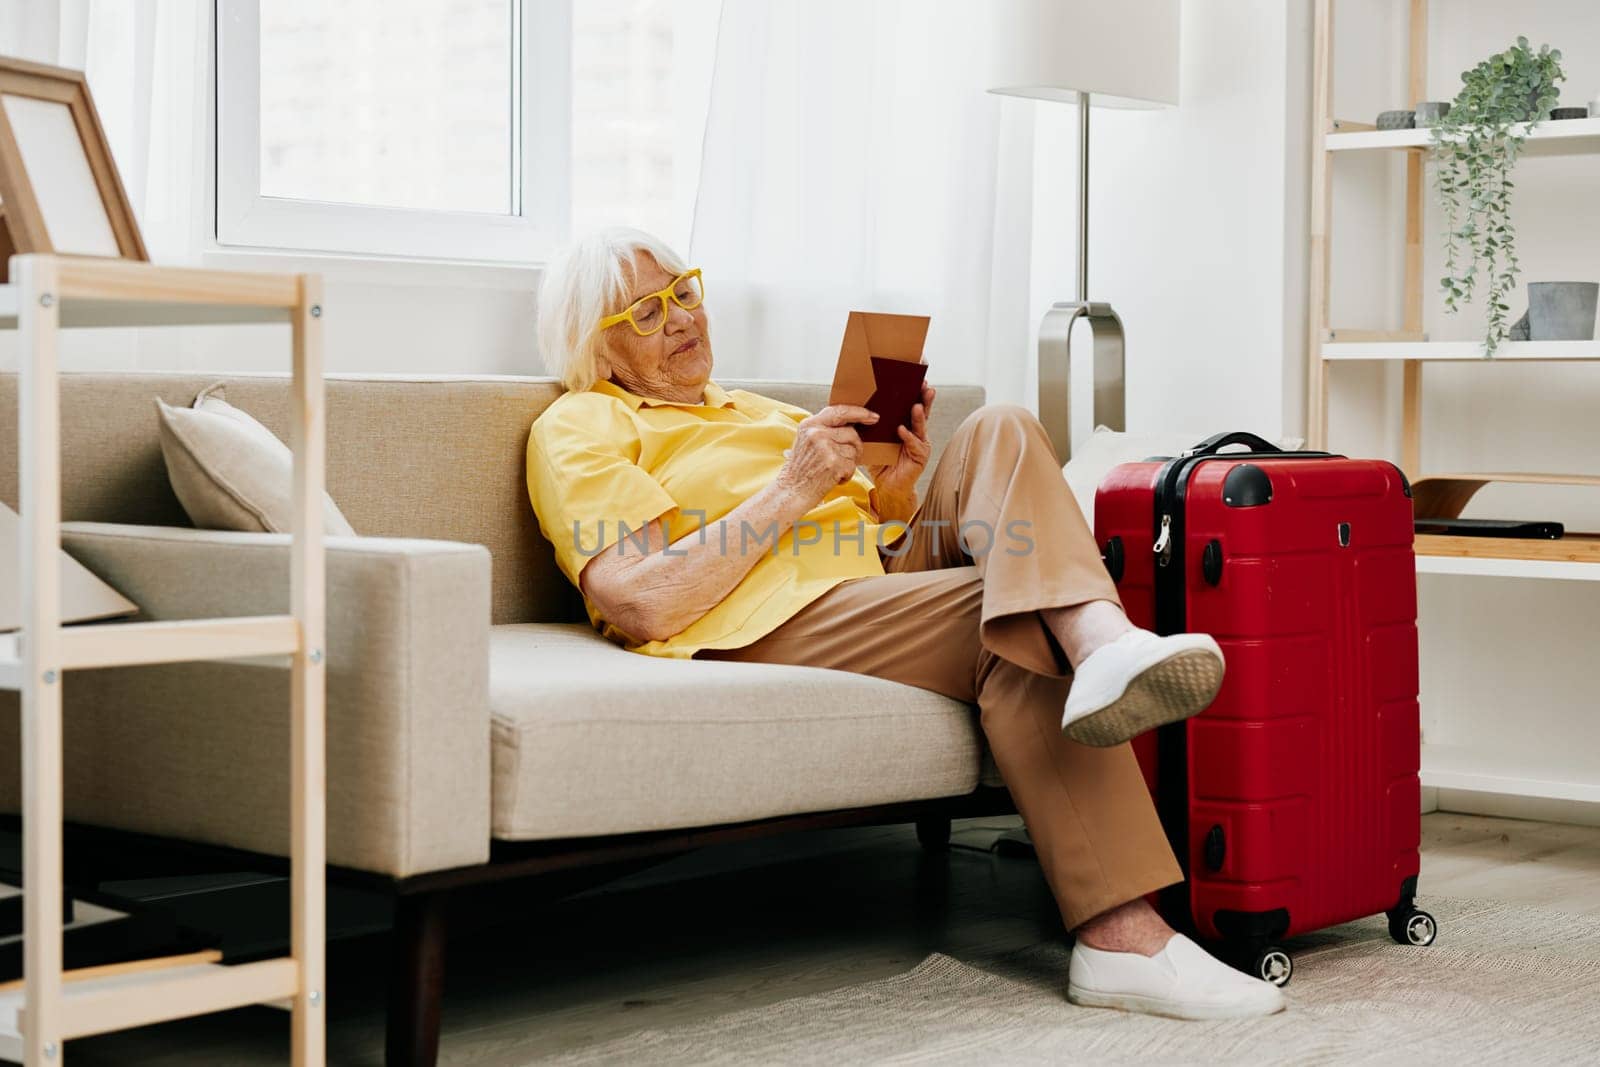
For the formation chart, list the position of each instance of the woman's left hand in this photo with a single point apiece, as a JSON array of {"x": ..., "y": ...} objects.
[{"x": 896, "y": 483}]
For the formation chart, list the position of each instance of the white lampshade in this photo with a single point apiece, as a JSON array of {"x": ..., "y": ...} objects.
[{"x": 1124, "y": 53}]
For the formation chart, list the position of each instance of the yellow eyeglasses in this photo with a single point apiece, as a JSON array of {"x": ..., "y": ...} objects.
[{"x": 649, "y": 313}]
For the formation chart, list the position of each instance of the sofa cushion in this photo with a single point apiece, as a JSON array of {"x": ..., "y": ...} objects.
[
  {"x": 229, "y": 471},
  {"x": 589, "y": 739}
]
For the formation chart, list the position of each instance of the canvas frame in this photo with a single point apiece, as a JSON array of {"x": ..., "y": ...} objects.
[{"x": 23, "y": 226}]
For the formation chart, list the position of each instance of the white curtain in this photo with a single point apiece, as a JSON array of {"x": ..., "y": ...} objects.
[
  {"x": 148, "y": 64},
  {"x": 853, "y": 161}
]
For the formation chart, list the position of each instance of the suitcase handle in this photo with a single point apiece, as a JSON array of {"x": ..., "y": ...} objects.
[{"x": 1217, "y": 442}]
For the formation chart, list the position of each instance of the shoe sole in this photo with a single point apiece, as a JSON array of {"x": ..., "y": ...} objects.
[
  {"x": 1172, "y": 690},
  {"x": 1171, "y": 1010}
]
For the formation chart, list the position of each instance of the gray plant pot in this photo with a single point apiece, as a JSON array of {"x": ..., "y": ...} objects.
[
  {"x": 1562, "y": 311},
  {"x": 1396, "y": 120},
  {"x": 1429, "y": 112}
]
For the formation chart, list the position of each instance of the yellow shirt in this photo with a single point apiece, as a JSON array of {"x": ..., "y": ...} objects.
[{"x": 603, "y": 463}]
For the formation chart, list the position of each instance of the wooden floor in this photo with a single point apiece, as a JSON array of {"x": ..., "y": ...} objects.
[{"x": 747, "y": 925}]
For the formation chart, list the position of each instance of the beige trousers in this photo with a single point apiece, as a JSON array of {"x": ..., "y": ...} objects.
[{"x": 967, "y": 624}]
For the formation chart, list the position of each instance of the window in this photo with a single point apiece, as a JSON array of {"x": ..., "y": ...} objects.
[
  {"x": 457, "y": 129},
  {"x": 409, "y": 113},
  {"x": 430, "y": 129}
]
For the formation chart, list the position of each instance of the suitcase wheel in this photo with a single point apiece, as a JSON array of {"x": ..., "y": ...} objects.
[
  {"x": 1273, "y": 964},
  {"x": 1413, "y": 927}
]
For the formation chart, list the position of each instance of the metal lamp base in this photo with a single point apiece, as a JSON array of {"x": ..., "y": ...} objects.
[{"x": 1055, "y": 370}]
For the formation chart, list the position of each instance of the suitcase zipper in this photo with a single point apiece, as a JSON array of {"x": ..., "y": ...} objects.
[{"x": 1163, "y": 546}]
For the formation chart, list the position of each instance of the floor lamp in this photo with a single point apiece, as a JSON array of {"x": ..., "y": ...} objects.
[{"x": 1087, "y": 52}]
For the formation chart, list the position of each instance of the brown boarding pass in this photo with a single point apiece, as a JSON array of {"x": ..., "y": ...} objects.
[{"x": 881, "y": 368}]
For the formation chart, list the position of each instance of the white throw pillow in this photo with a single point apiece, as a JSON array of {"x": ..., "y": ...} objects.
[
  {"x": 1104, "y": 449},
  {"x": 230, "y": 472}
]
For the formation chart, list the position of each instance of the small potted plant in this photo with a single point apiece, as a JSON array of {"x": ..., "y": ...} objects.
[{"x": 1475, "y": 147}]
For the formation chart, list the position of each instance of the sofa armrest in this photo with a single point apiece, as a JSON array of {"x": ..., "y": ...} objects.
[{"x": 200, "y": 751}]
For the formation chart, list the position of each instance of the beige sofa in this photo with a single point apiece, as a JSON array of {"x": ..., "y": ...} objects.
[{"x": 477, "y": 727}]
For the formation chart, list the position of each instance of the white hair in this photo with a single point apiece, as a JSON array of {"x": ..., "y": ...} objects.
[{"x": 583, "y": 285}]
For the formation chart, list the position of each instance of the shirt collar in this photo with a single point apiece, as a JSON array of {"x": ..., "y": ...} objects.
[{"x": 716, "y": 397}]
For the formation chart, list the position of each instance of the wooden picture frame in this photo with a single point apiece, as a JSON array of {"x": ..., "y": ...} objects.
[{"x": 59, "y": 188}]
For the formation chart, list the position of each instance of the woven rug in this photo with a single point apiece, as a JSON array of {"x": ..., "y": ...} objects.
[{"x": 1503, "y": 984}]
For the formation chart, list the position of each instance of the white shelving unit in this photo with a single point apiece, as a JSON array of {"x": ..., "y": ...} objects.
[
  {"x": 1557, "y": 138},
  {"x": 1492, "y": 768},
  {"x": 1490, "y": 567},
  {"x": 1460, "y": 351},
  {"x": 46, "y": 294}
]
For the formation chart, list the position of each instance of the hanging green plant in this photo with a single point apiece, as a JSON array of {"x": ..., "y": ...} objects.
[{"x": 1475, "y": 147}]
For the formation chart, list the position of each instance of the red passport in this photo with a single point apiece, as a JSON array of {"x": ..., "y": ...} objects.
[{"x": 899, "y": 387}]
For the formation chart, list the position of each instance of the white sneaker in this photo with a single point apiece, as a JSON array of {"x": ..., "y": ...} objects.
[
  {"x": 1182, "y": 981},
  {"x": 1138, "y": 682}
]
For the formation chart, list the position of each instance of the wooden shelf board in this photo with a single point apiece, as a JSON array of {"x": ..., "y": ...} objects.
[
  {"x": 120, "y": 644},
  {"x": 1444, "y": 496},
  {"x": 1517, "y": 477},
  {"x": 80, "y": 313},
  {"x": 139, "y": 998},
  {"x": 1496, "y": 771},
  {"x": 86, "y": 278},
  {"x": 77, "y": 314},
  {"x": 106, "y": 970},
  {"x": 1461, "y": 351},
  {"x": 1489, "y": 567},
  {"x": 1552, "y": 137},
  {"x": 1574, "y": 557},
  {"x": 112, "y": 293},
  {"x": 126, "y": 644}
]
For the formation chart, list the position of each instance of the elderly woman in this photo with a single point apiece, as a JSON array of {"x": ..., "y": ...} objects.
[{"x": 699, "y": 522}]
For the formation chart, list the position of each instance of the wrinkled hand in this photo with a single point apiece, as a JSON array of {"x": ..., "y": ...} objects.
[
  {"x": 896, "y": 482},
  {"x": 825, "y": 453}
]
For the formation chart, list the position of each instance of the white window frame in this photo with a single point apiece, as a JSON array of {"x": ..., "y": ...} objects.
[{"x": 541, "y": 170}]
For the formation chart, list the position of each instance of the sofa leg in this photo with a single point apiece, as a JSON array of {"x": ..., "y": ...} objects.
[
  {"x": 933, "y": 833},
  {"x": 416, "y": 981}
]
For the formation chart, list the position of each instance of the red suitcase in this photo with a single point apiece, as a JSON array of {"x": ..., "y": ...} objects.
[{"x": 1293, "y": 802}]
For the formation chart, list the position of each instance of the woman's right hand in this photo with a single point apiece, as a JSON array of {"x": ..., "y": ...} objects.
[{"x": 825, "y": 453}]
